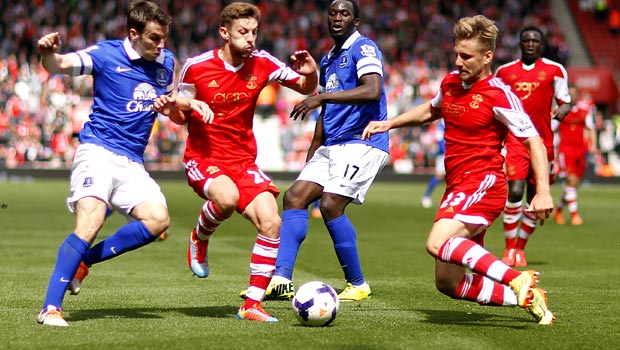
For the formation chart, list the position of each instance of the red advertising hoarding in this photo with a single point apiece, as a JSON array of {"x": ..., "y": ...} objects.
[{"x": 598, "y": 82}]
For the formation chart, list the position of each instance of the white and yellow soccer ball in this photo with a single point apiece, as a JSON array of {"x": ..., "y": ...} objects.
[{"x": 315, "y": 304}]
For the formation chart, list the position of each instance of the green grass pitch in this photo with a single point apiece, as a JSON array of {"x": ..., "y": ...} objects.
[{"x": 148, "y": 299}]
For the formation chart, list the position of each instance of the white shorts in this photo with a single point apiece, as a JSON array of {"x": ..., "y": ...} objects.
[
  {"x": 347, "y": 170},
  {"x": 115, "y": 179}
]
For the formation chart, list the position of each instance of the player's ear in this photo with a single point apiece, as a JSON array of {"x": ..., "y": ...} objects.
[
  {"x": 488, "y": 57},
  {"x": 133, "y": 34},
  {"x": 224, "y": 33}
]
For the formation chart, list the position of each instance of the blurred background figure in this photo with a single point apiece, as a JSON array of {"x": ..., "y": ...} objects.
[
  {"x": 440, "y": 169},
  {"x": 577, "y": 139}
]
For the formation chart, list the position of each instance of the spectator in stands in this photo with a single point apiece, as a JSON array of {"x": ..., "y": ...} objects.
[
  {"x": 417, "y": 56},
  {"x": 614, "y": 20}
]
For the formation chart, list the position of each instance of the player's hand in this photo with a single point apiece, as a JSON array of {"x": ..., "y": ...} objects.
[
  {"x": 203, "y": 110},
  {"x": 303, "y": 62},
  {"x": 541, "y": 206},
  {"x": 304, "y": 107},
  {"x": 166, "y": 104},
  {"x": 375, "y": 127},
  {"x": 49, "y": 44},
  {"x": 559, "y": 112}
]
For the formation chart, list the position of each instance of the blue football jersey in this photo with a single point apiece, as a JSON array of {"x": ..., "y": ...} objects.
[
  {"x": 125, "y": 86},
  {"x": 344, "y": 123}
]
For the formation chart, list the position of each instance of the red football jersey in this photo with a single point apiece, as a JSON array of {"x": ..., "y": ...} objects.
[
  {"x": 231, "y": 92},
  {"x": 537, "y": 85},
  {"x": 572, "y": 128},
  {"x": 477, "y": 119}
]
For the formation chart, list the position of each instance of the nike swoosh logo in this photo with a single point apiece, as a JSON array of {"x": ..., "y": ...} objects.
[
  {"x": 64, "y": 280},
  {"x": 121, "y": 69},
  {"x": 113, "y": 249}
]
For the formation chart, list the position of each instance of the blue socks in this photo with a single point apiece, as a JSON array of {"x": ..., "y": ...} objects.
[
  {"x": 129, "y": 237},
  {"x": 69, "y": 258},
  {"x": 344, "y": 236},
  {"x": 431, "y": 186},
  {"x": 292, "y": 234}
]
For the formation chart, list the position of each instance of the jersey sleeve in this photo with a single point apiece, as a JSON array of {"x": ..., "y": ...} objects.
[
  {"x": 560, "y": 86},
  {"x": 436, "y": 101},
  {"x": 509, "y": 110},
  {"x": 590, "y": 121},
  {"x": 369, "y": 59},
  {"x": 83, "y": 61},
  {"x": 187, "y": 87},
  {"x": 278, "y": 70},
  {"x": 517, "y": 121}
]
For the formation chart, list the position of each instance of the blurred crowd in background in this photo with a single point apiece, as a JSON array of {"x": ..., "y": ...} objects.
[{"x": 40, "y": 115}]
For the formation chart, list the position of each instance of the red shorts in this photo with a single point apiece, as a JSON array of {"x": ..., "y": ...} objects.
[
  {"x": 518, "y": 164},
  {"x": 249, "y": 179},
  {"x": 572, "y": 162},
  {"x": 476, "y": 199}
]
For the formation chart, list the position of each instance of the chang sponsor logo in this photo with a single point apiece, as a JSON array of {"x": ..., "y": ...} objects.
[{"x": 332, "y": 83}]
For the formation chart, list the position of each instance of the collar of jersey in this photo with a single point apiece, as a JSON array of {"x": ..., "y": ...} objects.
[
  {"x": 347, "y": 43},
  {"x": 133, "y": 54}
]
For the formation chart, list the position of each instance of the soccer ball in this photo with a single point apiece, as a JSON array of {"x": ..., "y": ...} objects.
[{"x": 315, "y": 304}]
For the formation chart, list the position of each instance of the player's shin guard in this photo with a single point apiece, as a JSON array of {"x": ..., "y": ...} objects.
[
  {"x": 512, "y": 215},
  {"x": 570, "y": 196},
  {"x": 209, "y": 220},
  {"x": 69, "y": 258},
  {"x": 345, "y": 243},
  {"x": 528, "y": 225},
  {"x": 485, "y": 291},
  {"x": 262, "y": 265},
  {"x": 129, "y": 237},
  {"x": 292, "y": 234},
  {"x": 465, "y": 252}
]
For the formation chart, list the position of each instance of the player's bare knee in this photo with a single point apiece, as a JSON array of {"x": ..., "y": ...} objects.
[
  {"x": 157, "y": 221},
  {"x": 292, "y": 200},
  {"x": 432, "y": 248},
  {"x": 227, "y": 204},
  {"x": 271, "y": 227},
  {"x": 332, "y": 208}
]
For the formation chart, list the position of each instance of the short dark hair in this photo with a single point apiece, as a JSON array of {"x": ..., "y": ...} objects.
[
  {"x": 237, "y": 10},
  {"x": 140, "y": 12},
  {"x": 356, "y": 8},
  {"x": 529, "y": 29}
]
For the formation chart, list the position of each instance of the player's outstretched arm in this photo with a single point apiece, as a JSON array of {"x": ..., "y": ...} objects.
[
  {"x": 369, "y": 90},
  {"x": 422, "y": 114},
  {"x": 53, "y": 62}
]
